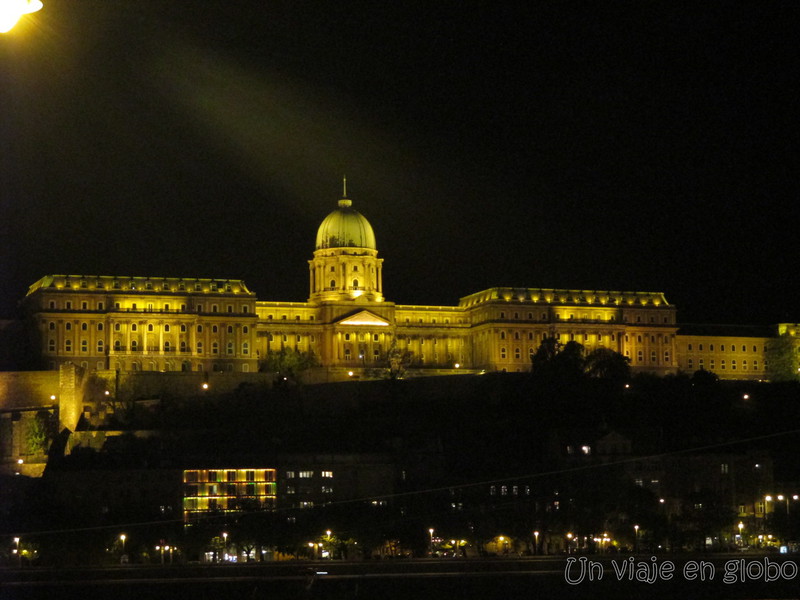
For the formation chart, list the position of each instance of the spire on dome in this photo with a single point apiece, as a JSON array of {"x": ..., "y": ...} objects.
[{"x": 345, "y": 202}]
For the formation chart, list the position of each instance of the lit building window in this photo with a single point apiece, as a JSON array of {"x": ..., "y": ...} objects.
[{"x": 305, "y": 474}]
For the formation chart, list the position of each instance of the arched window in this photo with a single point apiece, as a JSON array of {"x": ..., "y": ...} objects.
[
  {"x": 355, "y": 283},
  {"x": 333, "y": 283}
]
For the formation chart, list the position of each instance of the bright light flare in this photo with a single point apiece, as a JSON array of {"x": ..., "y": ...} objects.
[{"x": 11, "y": 11}]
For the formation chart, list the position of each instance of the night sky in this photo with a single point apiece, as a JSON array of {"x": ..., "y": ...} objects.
[{"x": 617, "y": 146}]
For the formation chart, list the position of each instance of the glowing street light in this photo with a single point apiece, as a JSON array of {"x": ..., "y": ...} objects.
[
  {"x": 16, "y": 551},
  {"x": 430, "y": 531},
  {"x": 12, "y": 11},
  {"x": 536, "y": 542},
  {"x": 122, "y": 538}
]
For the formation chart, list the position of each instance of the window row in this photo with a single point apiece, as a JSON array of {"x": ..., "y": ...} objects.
[
  {"x": 308, "y": 474},
  {"x": 324, "y": 489},
  {"x": 721, "y": 347},
  {"x": 166, "y": 328},
  {"x": 135, "y": 346},
  {"x": 149, "y": 285},
  {"x": 722, "y": 365},
  {"x": 148, "y": 307}
]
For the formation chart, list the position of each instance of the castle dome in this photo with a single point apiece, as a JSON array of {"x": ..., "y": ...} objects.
[{"x": 345, "y": 227}]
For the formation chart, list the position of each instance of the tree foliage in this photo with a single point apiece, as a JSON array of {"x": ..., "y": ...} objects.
[
  {"x": 395, "y": 362},
  {"x": 39, "y": 433},
  {"x": 781, "y": 355},
  {"x": 288, "y": 363},
  {"x": 570, "y": 363},
  {"x": 604, "y": 363}
]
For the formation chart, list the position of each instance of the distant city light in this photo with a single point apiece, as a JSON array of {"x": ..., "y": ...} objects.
[{"x": 11, "y": 11}]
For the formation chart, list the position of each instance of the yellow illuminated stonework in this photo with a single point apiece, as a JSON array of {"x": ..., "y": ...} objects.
[
  {"x": 145, "y": 323},
  {"x": 214, "y": 491},
  {"x": 173, "y": 324}
]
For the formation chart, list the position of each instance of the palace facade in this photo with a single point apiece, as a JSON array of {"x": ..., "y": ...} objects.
[{"x": 185, "y": 324}]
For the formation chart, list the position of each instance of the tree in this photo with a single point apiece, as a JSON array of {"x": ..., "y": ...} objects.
[
  {"x": 781, "y": 356},
  {"x": 604, "y": 363},
  {"x": 555, "y": 361},
  {"x": 40, "y": 433},
  {"x": 288, "y": 363},
  {"x": 703, "y": 378},
  {"x": 395, "y": 363}
]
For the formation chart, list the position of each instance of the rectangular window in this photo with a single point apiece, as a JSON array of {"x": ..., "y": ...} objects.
[
  {"x": 305, "y": 474},
  {"x": 328, "y": 474}
]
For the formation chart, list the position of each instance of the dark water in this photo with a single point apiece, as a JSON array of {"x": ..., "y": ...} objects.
[{"x": 421, "y": 580}]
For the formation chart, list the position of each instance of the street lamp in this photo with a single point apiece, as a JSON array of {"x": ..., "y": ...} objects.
[
  {"x": 225, "y": 538},
  {"x": 11, "y": 11},
  {"x": 122, "y": 538},
  {"x": 636, "y": 538},
  {"x": 16, "y": 551},
  {"x": 569, "y": 541},
  {"x": 430, "y": 531},
  {"x": 536, "y": 542}
]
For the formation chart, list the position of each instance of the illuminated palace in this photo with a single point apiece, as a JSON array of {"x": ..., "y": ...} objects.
[{"x": 184, "y": 324}]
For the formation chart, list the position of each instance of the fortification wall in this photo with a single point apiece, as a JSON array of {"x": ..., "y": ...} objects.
[{"x": 28, "y": 389}]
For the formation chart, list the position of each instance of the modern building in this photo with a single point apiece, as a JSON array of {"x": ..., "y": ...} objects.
[
  {"x": 208, "y": 492},
  {"x": 175, "y": 324}
]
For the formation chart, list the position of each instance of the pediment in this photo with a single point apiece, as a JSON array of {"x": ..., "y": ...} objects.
[{"x": 364, "y": 317}]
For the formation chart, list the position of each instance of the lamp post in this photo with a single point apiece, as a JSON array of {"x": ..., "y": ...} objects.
[
  {"x": 740, "y": 526},
  {"x": 225, "y": 541},
  {"x": 635, "y": 539},
  {"x": 122, "y": 538},
  {"x": 430, "y": 531},
  {"x": 536, "y": 542},
  {"x": 16, "y": 551},
  {"x": 569, "y": 542}
]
